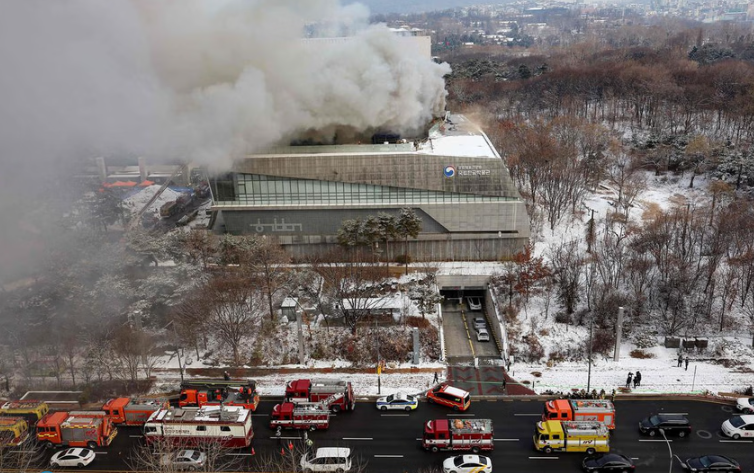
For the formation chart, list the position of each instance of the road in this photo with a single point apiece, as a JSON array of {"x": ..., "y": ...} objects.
[{"x": 389, "y": 442}]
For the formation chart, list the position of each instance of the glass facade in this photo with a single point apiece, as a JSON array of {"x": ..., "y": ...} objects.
[{"x": 261, "y": 190}]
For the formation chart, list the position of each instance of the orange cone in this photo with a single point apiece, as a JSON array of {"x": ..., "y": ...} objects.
[{"x": 290, "y": 446}]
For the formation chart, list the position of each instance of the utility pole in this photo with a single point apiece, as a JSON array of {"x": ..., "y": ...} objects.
[
  {"x": 618, "y": 334},
  {"x": 589, "y": 376}
]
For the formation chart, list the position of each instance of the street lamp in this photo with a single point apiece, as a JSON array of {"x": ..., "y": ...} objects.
[
  {"x": 589, "y": 376},
  {"x": 670, "y": 450}
]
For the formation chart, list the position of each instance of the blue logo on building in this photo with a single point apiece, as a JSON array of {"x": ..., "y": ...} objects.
[{"x": 449, "y": 171}]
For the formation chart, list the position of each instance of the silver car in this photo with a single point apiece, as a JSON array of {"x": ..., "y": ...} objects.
[
  {"x": 479, "y": 323},
  {"x": 184, "y": 460},
  {"x": 482, "y": 335}
]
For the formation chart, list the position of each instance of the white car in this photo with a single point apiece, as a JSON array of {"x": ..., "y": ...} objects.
[
  {"x": 398, "y": 401},
  {"x": 479, "y": 323},
  {"x": 474, "y": 303},
  {"x": 482, "y": 335},
  {"x": 78, "y": 457},
  {"x": 745, "y": 405},
  {"x": 184, "y": 460},
  {"x": 335, "y": 459},
  {"x": 739, "y": 426},
  {"x": 467, "y": 464}
]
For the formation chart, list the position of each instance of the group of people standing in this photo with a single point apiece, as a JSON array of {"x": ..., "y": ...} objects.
[{"x": 636, "y": 380}]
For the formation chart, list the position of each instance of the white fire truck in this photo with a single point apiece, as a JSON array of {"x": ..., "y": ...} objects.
[
  {"x": 230, "y": 426},
  {"x": 302, "y": 415}
]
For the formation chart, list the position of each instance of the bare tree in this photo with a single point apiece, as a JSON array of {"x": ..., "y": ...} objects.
[
  {"x": 134, "y": 349},
  {"x": 268, "y": 265},
  {"x": 27, "y": 456},
  {"x": 158, "y": 456}
]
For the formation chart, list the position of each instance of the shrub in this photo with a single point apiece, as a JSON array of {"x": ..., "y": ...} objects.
[
  {"x": 544, "y": 332},
  {"x": 417, "y": 322},
  {"x": 562, "y": 318},
  {"x": 534, "y": 350},
  {"x": 603, "y": 341},
  {"x": 403, "y": 259},
  {"x": 644, "y": 340},
  {"x": 641, "y": 354}
]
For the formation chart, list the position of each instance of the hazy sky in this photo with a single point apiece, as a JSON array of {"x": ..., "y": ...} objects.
[{"x": 200, "y": 80}]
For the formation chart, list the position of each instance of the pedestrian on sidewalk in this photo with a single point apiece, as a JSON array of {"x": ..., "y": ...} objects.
[
  {"x": 505, "y": 390},
  {"x": 680, "y": 359},
  {"x": 226, "y": 375},
  {"x": 436, "y": 378},
  {"x": 612, "y": 396},
  {"x": 687, "y": 362},
  {"x": 629, "y": 379},
  {"x": 637, "y": 379}
]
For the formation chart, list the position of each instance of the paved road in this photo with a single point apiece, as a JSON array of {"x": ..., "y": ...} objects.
[
  {"x": 460, "y": 336},
  {"x": 389, "y": 442}
]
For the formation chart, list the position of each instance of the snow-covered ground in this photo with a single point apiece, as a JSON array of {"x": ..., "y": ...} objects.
[
  {"x": 659, "y": 370},
  {"x": 137, "y": 201}
]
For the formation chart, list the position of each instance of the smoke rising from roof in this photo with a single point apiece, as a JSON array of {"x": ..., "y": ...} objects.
[{"x": 202, "y": 81}]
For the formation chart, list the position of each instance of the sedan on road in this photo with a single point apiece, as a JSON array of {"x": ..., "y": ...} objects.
[
  {"x": 398, "y": 401},
  {"x": 745, "y": 404},
  {"x": 711, "y": 463},
  {"x": 467, "y": 464},
  {"x": 78, "y": 457},
  {"x": 482, "y": 335},
  {"x": 184, "y": 460},
  {"x": 474, "y": 303},
  {"x": 739, "y": 426},
  {"x": 608, "y": 462}
]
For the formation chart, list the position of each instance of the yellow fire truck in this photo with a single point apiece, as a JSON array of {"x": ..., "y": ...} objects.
[{"x": 571, "y": 436}]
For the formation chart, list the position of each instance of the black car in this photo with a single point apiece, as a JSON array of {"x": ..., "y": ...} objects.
[
  {"x": 711, "y": 463},
  {"x": 672, "y": 424},
  {"x": 608, "y": 462}
]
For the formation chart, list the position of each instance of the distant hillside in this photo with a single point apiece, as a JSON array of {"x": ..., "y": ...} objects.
[{"x": 411, "y": 6}]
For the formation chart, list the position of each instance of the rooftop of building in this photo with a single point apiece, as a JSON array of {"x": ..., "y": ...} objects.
[{"x": 455, "y": 135}]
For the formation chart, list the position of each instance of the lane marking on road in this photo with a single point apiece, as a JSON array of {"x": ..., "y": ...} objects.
[
  {"x": 543, "y": 458},
  {"x": 634, "y": 458},
  {"x": 676, "y": 413},
  {"x": 506, "y": 440},
  {"x": 461, "y": 415},
  {"x": 654, "y": 440},
  {"x": 260, "y": 415},
  {"x": 528, "y": 415},
  {"x": 388, "y": 456},
  {"x": 285, "y": 438},
  {"x": 136, "y": 436},
  {"x": 358, "y": 438},
  {"x": 394, "y": 415},
  {"x": 737, "y": 441},
  {"x": 100, "y": 453}
]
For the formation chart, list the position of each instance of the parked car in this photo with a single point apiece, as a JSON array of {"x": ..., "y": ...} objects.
[
  {"x": 672, "y": 424},
  {"x": 745, "y": 404},
  {"x": 398, "y": 401},
  {"x": 326, "y": 459},
  {"x": 184, "y": 460},
  {"x": 739, "y": 426},
  {"x": 482, "y": 335},
  {"x": 78, "y": 457},
  {"x": 607, "y": 462},
  {"x": 711, "y": 463},
  {"x": 479, "y": 322},
  {"x": 474, "y": 303},
  {"x": 467, "y": 464}
]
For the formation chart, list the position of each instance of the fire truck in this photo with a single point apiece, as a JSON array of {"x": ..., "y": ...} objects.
[
  {"x": 303, "y": 415},
  {"x": 125, "y": 411},
  {"x": 215, "y": 392},
  {"x": 32, "y": 411},
  {"x": 13, "y": 431},
  {"x": 337, "y": 395},
  {"x": 571, "y": 436},
  {"x": 600, "y": 410},
  {"x": 89, "y": 429},
  {"x": 458, "y": 434},
  {"x": 229, "y": 426}
]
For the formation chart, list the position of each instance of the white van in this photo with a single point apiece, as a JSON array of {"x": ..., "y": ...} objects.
[{"x": 334, "y": 459}]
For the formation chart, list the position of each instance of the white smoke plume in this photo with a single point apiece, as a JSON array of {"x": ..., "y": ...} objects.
[{"x": 203, "y": 81}]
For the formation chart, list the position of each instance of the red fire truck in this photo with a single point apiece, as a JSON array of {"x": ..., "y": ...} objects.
[
  {"x": 89, "y": 429},
  {"x": 228, "y": 426},
  {"x": 337, "y": 395},
  {"x": 127, "y": 411},
  {"x": 214, "y": 392},
  {"x": 303, "y": 415},
  {"x": 600, "y": 410},
  {"x": 458, "y": 434}
]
